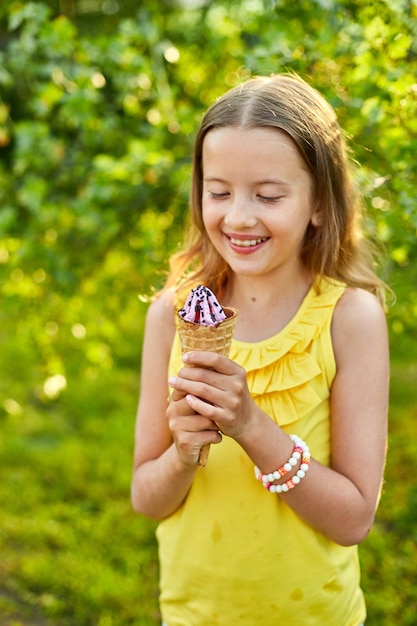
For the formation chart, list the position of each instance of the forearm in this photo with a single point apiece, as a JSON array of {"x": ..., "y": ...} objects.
[
  {"x": 327, "y": 500},
  {"x": 160, "y": 486},
  {"x": 332, "y": 504}
]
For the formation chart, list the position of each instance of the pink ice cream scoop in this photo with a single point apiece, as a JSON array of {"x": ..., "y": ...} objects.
[{"x": 202, "y": 308}]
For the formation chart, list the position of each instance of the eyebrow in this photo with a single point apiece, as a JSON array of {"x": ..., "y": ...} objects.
[{"x": 268, "y": 181}]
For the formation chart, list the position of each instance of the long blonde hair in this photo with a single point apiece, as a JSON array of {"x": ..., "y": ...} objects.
[{"x": 337, "y": 249}]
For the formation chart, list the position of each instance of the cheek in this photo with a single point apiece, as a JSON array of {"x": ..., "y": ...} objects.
[{"x": 210, "y": 218}]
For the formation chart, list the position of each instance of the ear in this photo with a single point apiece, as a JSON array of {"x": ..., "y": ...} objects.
[{"x": 317, "y": 219}]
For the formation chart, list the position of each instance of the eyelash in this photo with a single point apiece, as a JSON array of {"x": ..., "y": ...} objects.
[
  {"x": 270, "y": 200},
  {"x": 221, "y": 196},
  {"x": 217, "y": 196}
]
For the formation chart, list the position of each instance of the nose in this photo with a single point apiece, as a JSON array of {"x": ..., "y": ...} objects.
[{"x": 240, "y": 214}]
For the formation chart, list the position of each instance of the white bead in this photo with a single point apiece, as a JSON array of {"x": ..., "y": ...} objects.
[
  {"x": 304, "y": 467},
  {"x": 288, "y": 467},
  {"x": 277, "y": 475},
  {"x": 293, "y": 462},
  {"x": 296, "y": 480},
  {"x": 296, "y": 455},
  {"x": 284, "y": 487},
  {"x": 300, "y": 473}
]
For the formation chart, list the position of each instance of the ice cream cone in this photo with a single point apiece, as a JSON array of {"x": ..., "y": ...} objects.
[{"x": 211, "y": 338}]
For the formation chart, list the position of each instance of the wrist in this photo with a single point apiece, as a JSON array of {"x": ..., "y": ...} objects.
[
  {"x": 182, "y": 465},
  {"x": 260, "y": 435},
  {"x": 265, "y": 442}
]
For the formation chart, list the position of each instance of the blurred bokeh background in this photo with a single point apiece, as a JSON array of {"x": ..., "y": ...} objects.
[{"x": 99, "y": 103}]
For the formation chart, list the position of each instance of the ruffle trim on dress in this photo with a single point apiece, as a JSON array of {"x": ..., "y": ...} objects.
[{"x": 280, "y": 369}]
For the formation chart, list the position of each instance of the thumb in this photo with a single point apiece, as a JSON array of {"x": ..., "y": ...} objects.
[{"x": 177, "y": 395}]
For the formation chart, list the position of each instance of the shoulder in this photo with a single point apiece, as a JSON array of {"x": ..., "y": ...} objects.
[
  {"x": 160, "y": 318},
  {"x": 358, "y": 322},
  {"x": 163, "y": 306},
  {"x": 360, "y": 306}
]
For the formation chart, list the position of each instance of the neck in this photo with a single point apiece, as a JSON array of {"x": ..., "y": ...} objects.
[
  {"x": 265, "y": 307},
  {"x": 266, "y": 291}
]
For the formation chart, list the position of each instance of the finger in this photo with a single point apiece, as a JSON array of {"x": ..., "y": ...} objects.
[
  {"x": 203, "y": 408},
  {"x": 208, "y": 385},
  {"x": 208, "y": 378},
  {"x": 209, "y": 360},
  {"x": 184, "y": 383},
  {"x": 205, "y": 391},
  {"x": 179, "y": 386},
  {"x": 178, "y": 406},
  {"x": 190, "y": 444},
  {"x": 194, "y": 423}
]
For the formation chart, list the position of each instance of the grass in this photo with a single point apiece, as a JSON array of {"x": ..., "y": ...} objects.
[
  {"x": 389, "y": 555},
  {"x": 73, "y": 552}
]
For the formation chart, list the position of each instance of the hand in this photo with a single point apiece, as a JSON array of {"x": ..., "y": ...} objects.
[
  {"x": 216, "y": 389},
  {"x": 189, "y": 430}
]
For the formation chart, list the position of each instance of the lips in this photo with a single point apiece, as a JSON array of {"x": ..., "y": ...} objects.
[{"x": 246, "y": 243}]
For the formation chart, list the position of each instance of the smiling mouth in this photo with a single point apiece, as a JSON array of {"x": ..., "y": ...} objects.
[{"x": 247, "y": 243}]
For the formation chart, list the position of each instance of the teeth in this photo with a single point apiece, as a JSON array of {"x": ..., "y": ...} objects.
[{"x": 246, "y": 243}]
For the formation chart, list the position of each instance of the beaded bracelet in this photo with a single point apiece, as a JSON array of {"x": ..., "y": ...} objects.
[
  {"x": 287, "y": 467},
  {"x": 301, "y": 451}
]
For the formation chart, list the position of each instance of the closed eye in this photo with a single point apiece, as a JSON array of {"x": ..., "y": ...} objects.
[
  {"x": 218, "y": 196},
  {"x": 270, "y": 199}
]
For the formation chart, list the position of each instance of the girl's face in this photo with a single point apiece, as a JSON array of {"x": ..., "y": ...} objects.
[{"x": 256, "y": 199}]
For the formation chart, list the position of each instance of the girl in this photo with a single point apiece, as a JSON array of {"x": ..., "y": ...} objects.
[{"x": 253, "y": 537}]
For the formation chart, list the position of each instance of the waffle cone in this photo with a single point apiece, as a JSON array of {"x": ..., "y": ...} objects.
[
  {"x": 208, "y": 338},
  {"x": 211, "y": 338}
]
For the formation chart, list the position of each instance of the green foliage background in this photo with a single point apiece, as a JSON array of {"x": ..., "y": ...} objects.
[{"x": 99, "y": 102}]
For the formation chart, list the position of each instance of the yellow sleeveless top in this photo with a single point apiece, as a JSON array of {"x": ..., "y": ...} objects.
[{"x": 236, "y": 555}]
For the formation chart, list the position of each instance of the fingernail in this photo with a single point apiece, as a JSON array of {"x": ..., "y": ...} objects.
[{"x": 171, "y": 381}]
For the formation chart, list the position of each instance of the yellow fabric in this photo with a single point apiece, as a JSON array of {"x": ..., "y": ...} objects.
[{"x": 236, "y": 555}]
